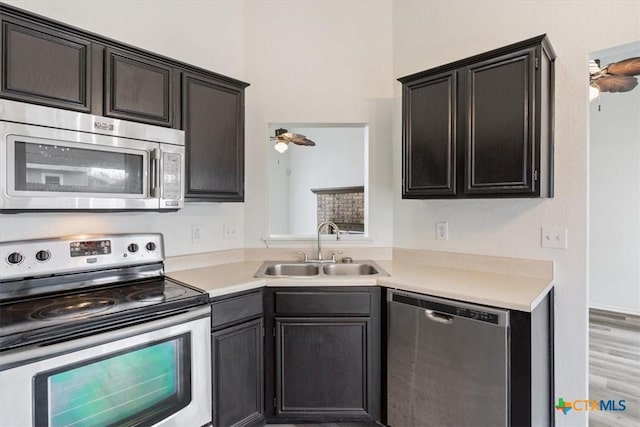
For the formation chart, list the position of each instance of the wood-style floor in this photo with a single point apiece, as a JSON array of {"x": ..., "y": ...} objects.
[{"x": 614, "y": 367}]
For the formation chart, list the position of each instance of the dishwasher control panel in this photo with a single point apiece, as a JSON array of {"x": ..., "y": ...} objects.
[
  {"x": 452, "y": 308},
  {"x": 477, "y": 315}
]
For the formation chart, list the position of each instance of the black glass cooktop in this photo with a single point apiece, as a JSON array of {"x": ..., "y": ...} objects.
[{"x": 49, "y": 317}]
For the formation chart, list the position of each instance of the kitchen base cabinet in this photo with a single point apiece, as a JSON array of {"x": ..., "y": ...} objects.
[
  {"x": 237, "y": 373},
  {"x": 237, "y": 361},
  {"x": 531, "y": 365},
  {"x": 324, "y": 354}
]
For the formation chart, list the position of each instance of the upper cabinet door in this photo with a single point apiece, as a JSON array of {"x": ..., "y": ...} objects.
[
  {"x": 138, "y": 88},
  {"x": 213, "y": 119},
  {"x": 45, "y": 66},
  {"x": 499, "y": 125},
  {"x": 429, "y": 136}
]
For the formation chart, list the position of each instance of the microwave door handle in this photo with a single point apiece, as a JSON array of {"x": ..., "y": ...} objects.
[{"x": 155, "y": 173}]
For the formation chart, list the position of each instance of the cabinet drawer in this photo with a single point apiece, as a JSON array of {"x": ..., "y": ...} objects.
[
  {"x": 235, "y": 309},
  {"x": 319, "y": 303}
]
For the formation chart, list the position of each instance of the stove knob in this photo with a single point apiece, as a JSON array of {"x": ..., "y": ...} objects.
[
  {"x": 15, "y": 258},
  {"x": 151, "y": 246},
  {"x": 43, "y": 255},
  {"x": 132, "y": 248}
]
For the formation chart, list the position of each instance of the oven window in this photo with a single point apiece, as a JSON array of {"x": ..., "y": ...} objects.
[
  {"x": 139, "y": 386},
  {"x": 53, "y": 168}
]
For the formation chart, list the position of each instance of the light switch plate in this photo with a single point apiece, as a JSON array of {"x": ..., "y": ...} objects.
[
  {"x": 196, "y": 233},
  {"x": 554, "y": 237},
  {"x": 229, "y": 232}
]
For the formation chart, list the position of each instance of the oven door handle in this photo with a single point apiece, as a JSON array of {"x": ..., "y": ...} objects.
[{"x": 155, "y": 173}]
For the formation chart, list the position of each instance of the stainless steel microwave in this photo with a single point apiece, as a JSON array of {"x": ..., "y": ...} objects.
[{"x": 53, "y": 159}]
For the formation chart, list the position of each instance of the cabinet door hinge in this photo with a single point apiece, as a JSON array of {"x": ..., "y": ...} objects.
[
  {"x": 275, "y": 402},
  {"x": 535, "y": 175},
  {"x": 262, "y": 331},
  {"x": 274, "y": 331},
  {"x": 537, "y": 62}
]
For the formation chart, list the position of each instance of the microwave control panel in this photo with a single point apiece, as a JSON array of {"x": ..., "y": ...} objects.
[{"x": 172, "y": 186}]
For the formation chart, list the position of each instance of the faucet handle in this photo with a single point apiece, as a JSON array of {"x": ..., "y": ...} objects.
[
  {"x": 333, "y": 255},
  {"x": 304, "y": 255}
]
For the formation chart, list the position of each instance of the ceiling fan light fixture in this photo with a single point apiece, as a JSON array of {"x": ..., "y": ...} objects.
[{"x": 281, "y": 146}]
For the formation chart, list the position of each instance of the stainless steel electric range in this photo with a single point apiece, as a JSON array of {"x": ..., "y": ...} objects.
[{"x": 92, "y": 333}]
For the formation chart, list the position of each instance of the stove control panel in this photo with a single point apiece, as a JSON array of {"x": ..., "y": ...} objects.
[
  {"x": 32, "y": 258},
  {"x": 90, "y": 247}
]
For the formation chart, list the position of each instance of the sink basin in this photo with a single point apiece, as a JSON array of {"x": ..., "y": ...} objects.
[
  {"x": 349, "y": 269},
  {"x": 310, "y": 269},
  {"x": 292, "y": 270}
]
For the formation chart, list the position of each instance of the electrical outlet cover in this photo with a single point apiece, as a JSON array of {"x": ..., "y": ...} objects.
[{"x": 442, "y": 230}]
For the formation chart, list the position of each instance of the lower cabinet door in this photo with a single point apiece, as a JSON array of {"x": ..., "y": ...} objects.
[
  {"x": 238, "y": 383},
  {"x": 321, "y": 368}
]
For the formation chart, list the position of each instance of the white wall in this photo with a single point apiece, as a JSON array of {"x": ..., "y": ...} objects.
[
  {"x": 614, "y": 195},
  {"x": 205, "y": 34},
  {"x": 427, "y": 34},
  {"x": 318, "y": 62}
]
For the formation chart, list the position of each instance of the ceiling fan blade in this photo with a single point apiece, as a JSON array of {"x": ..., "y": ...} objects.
[
  {"x": 626, "y": 67},
  {"x": 616, "y": 83},
  {"x": 305, "y": 142},
  {"x": 298, "y": 139}
]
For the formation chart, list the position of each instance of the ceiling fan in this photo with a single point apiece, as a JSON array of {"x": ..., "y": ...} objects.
[
  {"x": 284, "y": 137},
  {"x": 615, "y": 77}
]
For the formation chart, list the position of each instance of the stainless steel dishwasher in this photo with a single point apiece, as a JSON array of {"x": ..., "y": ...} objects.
[{"x": 447, "y": 363}]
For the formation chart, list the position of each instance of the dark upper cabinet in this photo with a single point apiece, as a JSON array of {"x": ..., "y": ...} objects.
[
  {"x": 44, "y": 65},
  {"x": 138, "y": 88},
  {"x": 429, "y": 151},
  {"x": 213, "y": 119},
  {"x": 482, "y": 126}
]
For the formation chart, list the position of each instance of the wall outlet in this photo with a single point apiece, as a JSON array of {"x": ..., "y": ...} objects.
[
  {"x": 554, "y": 237},
  {"x": 442, "y": 231},
  {"x": 196, "y": 233},
  {"x": 229, "y": 232}
]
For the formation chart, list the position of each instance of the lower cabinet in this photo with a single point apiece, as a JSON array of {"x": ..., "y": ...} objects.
[
  {"x": 324, "y": 354},
  {"x": 237, "y": 361}
]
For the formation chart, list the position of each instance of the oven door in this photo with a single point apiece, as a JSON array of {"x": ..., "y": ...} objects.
[
  {"x": 45, "y": 168},
  {"x": 154, "y": 374}
]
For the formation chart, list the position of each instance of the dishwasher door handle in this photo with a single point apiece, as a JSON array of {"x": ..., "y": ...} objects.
[{"x": 438, "y": 317}]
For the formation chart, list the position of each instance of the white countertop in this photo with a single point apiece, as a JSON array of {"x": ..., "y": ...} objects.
[{"x": 495, "y": 289}]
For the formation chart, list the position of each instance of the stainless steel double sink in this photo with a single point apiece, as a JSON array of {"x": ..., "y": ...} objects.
[{"x": 310, "y": 269}]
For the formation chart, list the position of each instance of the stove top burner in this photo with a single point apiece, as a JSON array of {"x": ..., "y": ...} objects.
[
  {"x": 72, "y": 309},
  {"x": 42, "y": 317},
  {"x": 146, "y": 294}
]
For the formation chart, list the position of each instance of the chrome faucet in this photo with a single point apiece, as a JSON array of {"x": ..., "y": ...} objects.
[{"x": 337, "y": 230}]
